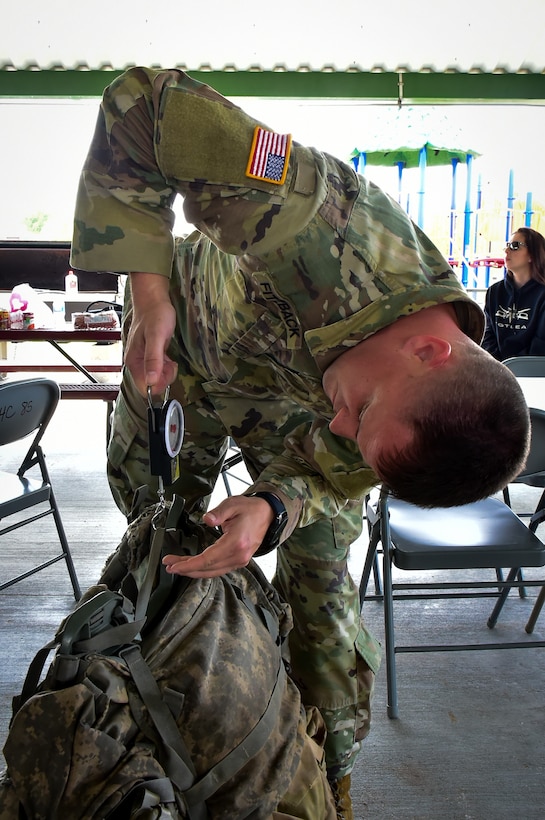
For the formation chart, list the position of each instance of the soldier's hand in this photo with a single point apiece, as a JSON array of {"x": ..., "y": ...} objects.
[
  {"x": 244, "y": 522},
  {"x": 152, "y": 327}
]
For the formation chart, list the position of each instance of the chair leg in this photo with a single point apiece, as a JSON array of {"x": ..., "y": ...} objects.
[
  {"x": 520, "y": 577},
  {"x": 230, "y": 462},
  {"x": 502, "y": 597},
  {"x": 65, "y": 547},
  {"x": 499, "y": 574},
  {"x": 522, "y": 590},
  {"x": 537, "y": 518},
  {"x": 226, "y": 483},
  {"x": 376, "y": 576},
  {"x": 538, "y": 606},
  {"x": 389, "y": 640},
  {"x": 541, "y": 503},
  {"x": 389, "y": 635},
  {"x": 371, "y": 562}
]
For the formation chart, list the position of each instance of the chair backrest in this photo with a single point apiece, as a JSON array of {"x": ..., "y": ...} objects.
[
  {"x": 526, "y": 366},
  {"x": 26, "y": 406},
  {"x": 534, "y": 469}
]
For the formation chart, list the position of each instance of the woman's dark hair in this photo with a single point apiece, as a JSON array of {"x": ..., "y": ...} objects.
[
  {"x": 471, "y": 437},
  {"x": 535, "y": 244}
]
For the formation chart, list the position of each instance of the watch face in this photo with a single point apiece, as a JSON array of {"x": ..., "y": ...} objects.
[{"x": 174, "y": 427}]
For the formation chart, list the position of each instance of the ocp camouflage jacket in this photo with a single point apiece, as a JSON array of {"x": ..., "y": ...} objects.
[{"x": 305, "y": 269}]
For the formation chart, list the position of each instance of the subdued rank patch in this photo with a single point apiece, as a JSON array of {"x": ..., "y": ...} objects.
[{"x": 269, "y": 157}]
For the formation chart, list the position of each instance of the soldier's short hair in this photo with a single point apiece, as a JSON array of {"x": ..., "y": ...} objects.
[{"x": 471, "y": 436}]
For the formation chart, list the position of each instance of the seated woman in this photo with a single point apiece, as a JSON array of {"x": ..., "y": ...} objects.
[{"x": 515, "y": 306}]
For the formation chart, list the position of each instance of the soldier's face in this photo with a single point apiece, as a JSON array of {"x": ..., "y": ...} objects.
[{"x": 369, "y": 400}]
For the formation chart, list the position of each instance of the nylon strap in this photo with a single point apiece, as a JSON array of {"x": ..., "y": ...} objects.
[
  {"x": 145, "y": 590},
  {"x": 234, "y": 761},
  {"x": 33, "y": 675},
  {"x": 114, "y": 636},
  {"x": 177, "y": 761}
]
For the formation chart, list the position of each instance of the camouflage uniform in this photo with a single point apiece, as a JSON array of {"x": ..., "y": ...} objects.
[{"x": 295, "y": 274}]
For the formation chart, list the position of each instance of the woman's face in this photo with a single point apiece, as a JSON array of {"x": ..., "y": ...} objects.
[{"x": 518, "y": 258}]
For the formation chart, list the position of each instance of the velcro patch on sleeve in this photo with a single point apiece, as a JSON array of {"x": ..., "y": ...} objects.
[{"x": 269, "y": 156}]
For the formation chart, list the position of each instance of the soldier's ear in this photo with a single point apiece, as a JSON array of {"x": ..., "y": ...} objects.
[{"x": 431, "y": 351}]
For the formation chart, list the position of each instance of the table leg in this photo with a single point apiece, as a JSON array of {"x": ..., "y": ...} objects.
[{"x": 76, "y": 364}]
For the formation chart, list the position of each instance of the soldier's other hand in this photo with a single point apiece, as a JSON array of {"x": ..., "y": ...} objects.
[
  {"x": 152, "y": 327},
  {"x": 244, "y": 522}
]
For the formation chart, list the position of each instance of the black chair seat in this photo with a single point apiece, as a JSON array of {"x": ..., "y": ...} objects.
[
  {"x": 481, "y": 535},
  {"x": 18, "y": 494}
]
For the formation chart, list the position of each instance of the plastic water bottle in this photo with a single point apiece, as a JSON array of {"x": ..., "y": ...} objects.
[
  {"x": 71, "y": 282},
  {"x": 59, "y": 317}
]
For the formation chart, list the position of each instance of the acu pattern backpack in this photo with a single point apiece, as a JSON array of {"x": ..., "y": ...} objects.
[{"x": 167, "y": 697}]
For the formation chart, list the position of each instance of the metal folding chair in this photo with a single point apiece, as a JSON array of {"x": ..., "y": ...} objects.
[
  {"x": 533, "y": 475},
  {"x": 26, "y": 407},
  {"x": 227, "y": 468},
  {"x": 486, "y": 534},
  {"x": 526, "y": 367}
]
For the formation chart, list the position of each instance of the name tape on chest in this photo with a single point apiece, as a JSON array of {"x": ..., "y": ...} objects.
[{"x": 269, "y": 156}]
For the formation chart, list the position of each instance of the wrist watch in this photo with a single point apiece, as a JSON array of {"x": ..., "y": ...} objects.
[{"x": 272, "y": 536}]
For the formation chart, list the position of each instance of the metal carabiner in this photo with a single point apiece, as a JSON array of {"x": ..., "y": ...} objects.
[{"x": 165, "y": 397}]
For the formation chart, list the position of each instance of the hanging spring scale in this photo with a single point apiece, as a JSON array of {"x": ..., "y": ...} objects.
[{"x": 165, "y": 433}]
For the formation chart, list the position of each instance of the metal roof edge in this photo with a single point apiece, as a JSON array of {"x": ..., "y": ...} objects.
[
  {"x": 422, "y": 86},
  {"x": 353, "y": 67}
]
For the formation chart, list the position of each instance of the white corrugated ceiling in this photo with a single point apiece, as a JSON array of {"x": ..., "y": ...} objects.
[{"x": 347, "y": 35}]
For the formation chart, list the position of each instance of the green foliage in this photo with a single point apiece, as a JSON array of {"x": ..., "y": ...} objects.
[{"x": 36, "y": 222}]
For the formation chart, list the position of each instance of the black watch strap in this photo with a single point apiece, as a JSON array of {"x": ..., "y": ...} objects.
[{"x": 276, "y": 528}]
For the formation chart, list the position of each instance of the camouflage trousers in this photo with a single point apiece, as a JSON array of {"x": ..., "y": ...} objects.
[{"x": 334, "y": 659}]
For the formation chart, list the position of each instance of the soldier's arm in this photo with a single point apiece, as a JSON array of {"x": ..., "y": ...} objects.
[
  {"x": 316, "y": 475},
  {"x": 160, "y": 134},
  {"x": 152, "y": 327},
  {"x": 307, "y": 496}
]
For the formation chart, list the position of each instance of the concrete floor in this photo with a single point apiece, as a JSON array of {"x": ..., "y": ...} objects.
[{"x": 469, "y": 742}]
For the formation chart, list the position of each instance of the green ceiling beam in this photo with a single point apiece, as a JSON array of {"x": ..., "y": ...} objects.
[{"x": 424, "y": 87}]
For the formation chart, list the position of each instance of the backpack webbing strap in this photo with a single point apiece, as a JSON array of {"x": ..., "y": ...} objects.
[
  {"x": 234, "y": 761},
  {"x": 157, "y": 584},
  {"x": 177, "y": 761},
  {"x": 33, "y": 675},
  {"x": 165, "y": 582},
  {"x": 144, "y": 593},
  {"x": 109, "y": 639},
  {"x": 178, "y": 764},
  {"x": 258, "y": 612},
  {"x": 101, "y": 623}
]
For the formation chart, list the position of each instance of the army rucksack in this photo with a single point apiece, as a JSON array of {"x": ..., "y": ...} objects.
[{"x": 167, "y": 697}]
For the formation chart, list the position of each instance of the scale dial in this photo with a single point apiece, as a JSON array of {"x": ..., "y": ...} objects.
[{"x": 173, "y": 427}]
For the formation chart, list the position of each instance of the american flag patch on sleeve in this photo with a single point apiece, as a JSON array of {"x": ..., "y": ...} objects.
[{"x": 269, "y": 157}]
